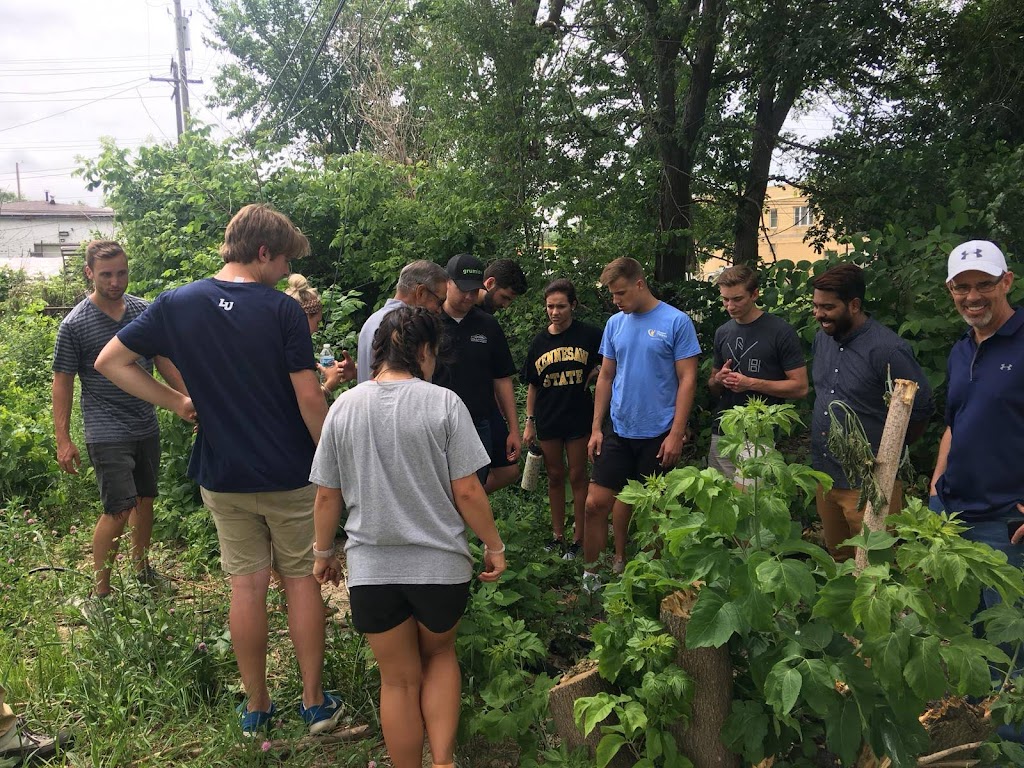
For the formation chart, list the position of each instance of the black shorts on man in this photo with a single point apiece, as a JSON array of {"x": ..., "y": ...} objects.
[{"x": 624, "y": 458}]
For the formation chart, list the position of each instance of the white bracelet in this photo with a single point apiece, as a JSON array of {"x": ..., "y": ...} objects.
[
  {"x": 322, "y": 554},
  {"x": 495, "y": 551}
]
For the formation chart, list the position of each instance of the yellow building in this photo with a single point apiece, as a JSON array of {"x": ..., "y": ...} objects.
[{"x": 784, "y": 223}]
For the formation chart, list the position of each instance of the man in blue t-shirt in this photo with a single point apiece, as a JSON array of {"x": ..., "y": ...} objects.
[
  {"x": 647, "y": 382},
  {"x": 245, "y": 353}
]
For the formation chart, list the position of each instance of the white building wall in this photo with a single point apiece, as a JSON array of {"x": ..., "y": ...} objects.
[{"x": 19, "y": 236}]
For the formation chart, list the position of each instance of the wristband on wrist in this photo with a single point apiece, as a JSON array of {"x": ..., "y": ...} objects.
[
  {"x": 322, "y": 554},
  {"x": 495, "y": 551}
]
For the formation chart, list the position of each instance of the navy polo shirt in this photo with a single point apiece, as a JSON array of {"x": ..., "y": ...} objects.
[
  {"x": 984, "y": 477},
  {"x": 856, "y": 369}
]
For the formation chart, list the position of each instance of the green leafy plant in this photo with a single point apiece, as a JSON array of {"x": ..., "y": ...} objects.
[{"x": 823, "y": 655}]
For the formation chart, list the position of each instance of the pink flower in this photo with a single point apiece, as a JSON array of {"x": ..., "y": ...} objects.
[
  {"x": 265, "y": 746},
  {"x": 372, "y": 764},
  {"x": 202, "y": 647},
  {"x": 10, "y": 561},
  {"x": 31, "y": 521},
  {"x": 73, "y": 529}
]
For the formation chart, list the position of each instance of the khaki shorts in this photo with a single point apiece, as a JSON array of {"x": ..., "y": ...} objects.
[{"x": 257, "y": 530}]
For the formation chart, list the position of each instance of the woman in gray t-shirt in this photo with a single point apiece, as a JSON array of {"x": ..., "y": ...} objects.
[{"x": 402, "y": 454}]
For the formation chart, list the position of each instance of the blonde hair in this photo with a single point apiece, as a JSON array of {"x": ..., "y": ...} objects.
[
  {"x": 623, "y": 268},
  {"x": 300, "y": 290}
]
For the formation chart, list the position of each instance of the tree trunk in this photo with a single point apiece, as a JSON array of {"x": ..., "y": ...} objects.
[
  {"x": 887, "y": 460},
  {"x": 561, "y": 699},
  {"x": 711, "y": 670},
  {"x": 773, "y": 105}
]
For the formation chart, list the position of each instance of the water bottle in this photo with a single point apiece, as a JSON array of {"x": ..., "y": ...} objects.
[
  {"x": 531, "y": 472},
  {"x": 326, "y": 356}
]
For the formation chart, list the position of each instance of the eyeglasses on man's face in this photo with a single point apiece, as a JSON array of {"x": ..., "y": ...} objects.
[{"x": 985, "y": 286}]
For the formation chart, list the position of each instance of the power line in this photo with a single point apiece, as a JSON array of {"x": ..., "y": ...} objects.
[
  {"x": 316, "y": 55},
  {"x": 63, "y": 111},
  {"x": 287, "y": 61}
]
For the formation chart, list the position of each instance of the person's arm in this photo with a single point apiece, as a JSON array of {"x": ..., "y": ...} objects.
[
  {"x": 793, "y": 387},
  {"x": 310, "y": 397},
  {"x": 672, "y": 445},
  {"x": 602, "y": 402},
  {"x": 472, "y": 504},
  {"x": 62, "y": 395},
  {"x": 506, "y": 396},
  {"x": 170, "y": 373},
  {"x": 326, "y": 516},
  {"x": 120, "y": 365},
  {"x": 941, "y": 459},
  {"x": 530, "y": 430}
]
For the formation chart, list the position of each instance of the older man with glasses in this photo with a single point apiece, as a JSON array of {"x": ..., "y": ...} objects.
[
  {"x": 976, "y": 475},
  {"x": 420, "y": 284}
]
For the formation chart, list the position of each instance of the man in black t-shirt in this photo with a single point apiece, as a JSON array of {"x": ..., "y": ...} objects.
[
  {"x": 756, "y": 355},
  {"x": 481, "y": 367}
]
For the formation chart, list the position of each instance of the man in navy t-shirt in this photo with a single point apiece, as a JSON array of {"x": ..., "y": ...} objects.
[
  {"x": 245, "y": 353},
  {"x": 647, "y": 382}
]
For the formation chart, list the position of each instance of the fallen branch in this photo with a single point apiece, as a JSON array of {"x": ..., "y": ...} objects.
[{"x": 936, "y": 757}]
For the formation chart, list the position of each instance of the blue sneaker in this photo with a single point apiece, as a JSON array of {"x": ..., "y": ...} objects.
[
  {"x": 322, "y": 717},
  {"x": 255, "y": 723}
]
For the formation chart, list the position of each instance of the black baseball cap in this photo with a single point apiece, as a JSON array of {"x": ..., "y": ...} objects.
[{"x": 466, "y": 271}]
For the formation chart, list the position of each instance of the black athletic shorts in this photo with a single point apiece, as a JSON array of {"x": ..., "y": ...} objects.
[
  {"x": 379, "y": 607},
  {"x": 499, "y": 434},
  {"x": 624, "y": 458}
]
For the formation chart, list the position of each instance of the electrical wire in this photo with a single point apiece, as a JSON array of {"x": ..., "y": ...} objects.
[{"x": 287, "y": 61}]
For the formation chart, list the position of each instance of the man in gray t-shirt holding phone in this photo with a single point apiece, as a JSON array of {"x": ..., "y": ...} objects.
[{"x": 755, "y": 355}]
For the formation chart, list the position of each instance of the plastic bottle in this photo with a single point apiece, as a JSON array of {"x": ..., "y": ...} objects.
[
  {"x": 531, "y": 472},
  {"x": 326, "y": 356}
]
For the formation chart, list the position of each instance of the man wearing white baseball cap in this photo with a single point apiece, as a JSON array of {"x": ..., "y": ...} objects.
[{"x": 975, "y": 475}]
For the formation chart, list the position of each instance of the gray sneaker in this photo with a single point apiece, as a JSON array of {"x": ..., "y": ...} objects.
[
  {"x": 25, "y": 747},
  {"x": 591, "y": 582},
  {"x": 92, "y": 609},
  {"x": 153, "y": 579},
  {"x": 572, "y": 551}
]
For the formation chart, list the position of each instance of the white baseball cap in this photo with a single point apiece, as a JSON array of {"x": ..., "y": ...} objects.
[{"x": 976, "y": 254}]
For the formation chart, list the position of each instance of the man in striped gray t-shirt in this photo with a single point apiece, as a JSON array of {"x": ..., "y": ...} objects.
[{"x": 121, "y": 432}]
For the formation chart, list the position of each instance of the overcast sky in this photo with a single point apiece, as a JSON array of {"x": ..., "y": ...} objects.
[
  {"x": 57, "y": 56},
  {"x": 72, "y": 72}
]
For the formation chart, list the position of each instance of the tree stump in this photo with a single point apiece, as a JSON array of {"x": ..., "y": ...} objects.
[
  {"x": 561, "y": 698},
  {"x": 711, "y": 670},
  {"x": 887, "y": 460}
]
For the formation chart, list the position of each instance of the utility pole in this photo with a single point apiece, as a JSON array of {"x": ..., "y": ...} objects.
[
  {"x": 181, "y": 31},
  {"x": 179, "y": 72},
  {"x": 176, "y": 94},
  {"x": 17, "y": 172}
]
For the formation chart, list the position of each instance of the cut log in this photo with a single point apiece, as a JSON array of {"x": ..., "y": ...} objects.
[
  {"x": 711, "y": 670},
  {"x": 887, "y": 459},
  {"x": 576, "y": 685}
]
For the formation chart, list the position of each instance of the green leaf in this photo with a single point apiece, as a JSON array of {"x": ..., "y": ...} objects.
[
  {"x": 843, "y": 732},
  {"x": 923, "y": 672},
  {"x": 835, "y": 602},
  {"x": 819, "y": 686},
  {"x": 789, "y": 580},
  {"x": 746, "y": 729},
  {"x": 712, "y": 622},
  {"x": 608, "y": 747},
  {"x": 782, "y": 688},
  {"x": 968, "y": 671},
  {"x": 591, "y": 710},
  {"x": 814, "y": 636}
]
